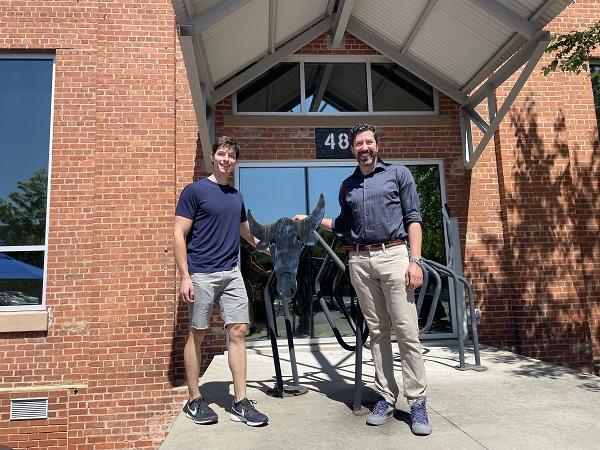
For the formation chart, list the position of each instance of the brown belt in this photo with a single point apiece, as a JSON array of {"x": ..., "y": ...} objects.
[{"x": 373, "y": 247}]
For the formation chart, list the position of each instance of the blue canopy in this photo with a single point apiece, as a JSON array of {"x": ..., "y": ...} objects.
[{"x": 13, "y": 269}]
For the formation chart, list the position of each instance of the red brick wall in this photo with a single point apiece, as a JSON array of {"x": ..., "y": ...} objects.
[
  {"x": 540, "y": 244},
  {"x": 110, "y": 292},
  {"x": 125, "y": 144}
]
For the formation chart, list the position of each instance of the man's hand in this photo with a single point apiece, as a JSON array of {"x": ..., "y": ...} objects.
[
  {"x": 187, "y": 290},
  {"x": 413, "y": 276}
]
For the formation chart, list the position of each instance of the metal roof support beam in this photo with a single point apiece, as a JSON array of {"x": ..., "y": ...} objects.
[
  {"x": 506, "y": 16},
  {"x": 214, "y": 14},
  {"x": 320, "y": 91},
  {"x": 273, "y": 59},
  {"x": 534, "y": 57},
  {"x": 509, "y": 68},
  {"x": 204, "y": 118},
  {"x": 418, "y": 26},
  {"x": 465, "y": 136},
  {"x": 340, "y": 22},
  {"x": 491, "y": 102},
  {"x": 478, "y": 77},
  {"x": 476, "y": 119},
  {"x": 330, "y": 6},
  {"x": 410, "y": 64},
  {"x": 203, "y": 71},
  {"x": 272, "y": 24}
]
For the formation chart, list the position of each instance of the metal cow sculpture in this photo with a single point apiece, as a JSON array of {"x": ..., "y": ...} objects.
[{"x": 285, "y": 240}]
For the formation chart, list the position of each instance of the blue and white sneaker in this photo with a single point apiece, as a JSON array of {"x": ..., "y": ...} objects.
[
  {"x": 418, "y": 414},
  {"x": 199, "y": 411},
  {"x": 382, "y": 412},
  {"x": 244, "y": 411}
]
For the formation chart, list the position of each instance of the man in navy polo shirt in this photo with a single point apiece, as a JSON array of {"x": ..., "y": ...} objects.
[{"x": 209, "y": 219}]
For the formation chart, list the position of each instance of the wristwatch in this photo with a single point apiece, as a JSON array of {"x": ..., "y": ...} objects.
[{"x": 416, "y": 259}]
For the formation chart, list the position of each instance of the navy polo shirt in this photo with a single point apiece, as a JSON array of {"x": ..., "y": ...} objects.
[{"x": 213, "y": 243}]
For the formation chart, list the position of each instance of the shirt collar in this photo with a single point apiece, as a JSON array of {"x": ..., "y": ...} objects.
[{"x": 379, "y": 167}]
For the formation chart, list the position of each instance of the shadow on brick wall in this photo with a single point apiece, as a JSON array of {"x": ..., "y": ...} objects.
[{"x": 549, "y": 199}]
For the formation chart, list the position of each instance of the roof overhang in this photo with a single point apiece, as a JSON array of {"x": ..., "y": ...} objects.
[{"x": 465, "y": 49}]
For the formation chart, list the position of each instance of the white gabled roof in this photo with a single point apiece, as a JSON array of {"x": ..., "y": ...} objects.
[
  {"x": 454, "y": 45},
  {"x": 462, "y": 41}
]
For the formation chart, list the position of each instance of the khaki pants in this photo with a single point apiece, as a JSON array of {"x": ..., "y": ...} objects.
[{"x": 378, "y": 279}]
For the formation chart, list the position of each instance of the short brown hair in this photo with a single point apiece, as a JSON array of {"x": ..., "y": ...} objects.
[
  {"x": 359, "y": 128},
  {"x": 226, "y": 141}
]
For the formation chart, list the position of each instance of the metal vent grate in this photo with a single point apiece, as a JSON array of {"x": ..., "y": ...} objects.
[{"x": 28, "y": 408}]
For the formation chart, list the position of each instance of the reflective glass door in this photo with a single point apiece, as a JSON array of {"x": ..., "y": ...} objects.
[{"x": 275, "y": 190}]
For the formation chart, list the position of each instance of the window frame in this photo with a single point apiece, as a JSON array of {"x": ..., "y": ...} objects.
[
  {"x": 337, "y": 59},
  {"x": 44, "y": 247},
  {"x": 339, "y": 162}
]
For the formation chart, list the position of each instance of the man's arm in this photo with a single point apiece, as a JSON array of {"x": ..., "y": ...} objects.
[
  {"x": 326, "y": 223},
  {"x": 414, "y": 273},
  {"x": 183, "y": 225},
  {"x": 247, "y": 235}
]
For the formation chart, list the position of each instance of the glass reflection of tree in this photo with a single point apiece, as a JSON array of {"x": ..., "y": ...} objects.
[
  {"x": 595, "y": 71},
  {"x": 23, "y": 218},
  {"x": 428, "y": 184}
]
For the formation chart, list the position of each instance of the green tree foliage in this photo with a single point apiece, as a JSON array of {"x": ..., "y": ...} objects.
[
  {"x": 572, "y": 53},
  {"x": 23, "y": 218},
  {"x": 428, "y": 184}
]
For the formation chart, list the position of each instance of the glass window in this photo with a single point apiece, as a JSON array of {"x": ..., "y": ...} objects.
[
  {"x": 327, "y": 181},
  {"x": 332, "y": 88},
  {"x": 396, "y": 89},
  {"x": 25, "y": 116},
  {"x": 336, "y": 88},
  {"x": 278, "y": 90},
  {"x": 272, "y": 192},
  {"x": 595, "y": 71}
]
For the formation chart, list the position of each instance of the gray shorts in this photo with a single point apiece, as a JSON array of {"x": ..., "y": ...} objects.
[{"x": 228, "y": 289}]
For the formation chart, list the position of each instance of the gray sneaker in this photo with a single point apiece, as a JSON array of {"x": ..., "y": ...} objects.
[
  {"x": 382, "y": 412},
  {"x": 199, "y": 411},
  {"x": 418, "y": 414},
  {"x": 244, "y": 411}
]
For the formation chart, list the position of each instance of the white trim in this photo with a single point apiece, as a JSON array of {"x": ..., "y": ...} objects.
[
  {"x": 44, "y": 247},
  {"x": 369, "y": 87},
  {"x": 22, "y": 248},
  {"x": 302, "y": 94},
  {"x": 337, "y": 58},
  {"x": 352, "y": 163},
  {"x": 51, "y": 56},
  {"x": 348, "y": 113}
]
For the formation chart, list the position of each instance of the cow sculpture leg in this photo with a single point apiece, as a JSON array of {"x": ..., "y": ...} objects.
[{"x": 285, "y": 240}]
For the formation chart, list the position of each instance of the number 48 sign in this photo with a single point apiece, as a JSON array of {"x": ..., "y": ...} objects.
[{"x": 332, "y": 143}]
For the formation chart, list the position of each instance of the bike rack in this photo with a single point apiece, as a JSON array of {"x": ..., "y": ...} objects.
[{"x": 431, "y": 269}]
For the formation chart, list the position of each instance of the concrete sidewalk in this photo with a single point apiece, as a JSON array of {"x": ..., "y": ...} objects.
[{"x": 516, "y": 403}]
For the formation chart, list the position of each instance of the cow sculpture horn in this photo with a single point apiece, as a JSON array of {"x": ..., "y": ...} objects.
[{"x": 259, "y": 231}]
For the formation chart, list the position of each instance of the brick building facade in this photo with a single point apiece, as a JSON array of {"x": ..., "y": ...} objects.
[{"x": 124, "y": 143}]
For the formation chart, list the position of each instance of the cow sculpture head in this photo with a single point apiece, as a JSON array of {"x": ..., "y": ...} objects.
[{"x": 285, "y": 239}]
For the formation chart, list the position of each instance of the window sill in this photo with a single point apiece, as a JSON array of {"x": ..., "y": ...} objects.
[
  {"x": 335, "y": 121},
  {"x": 16, "y": 321}
]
